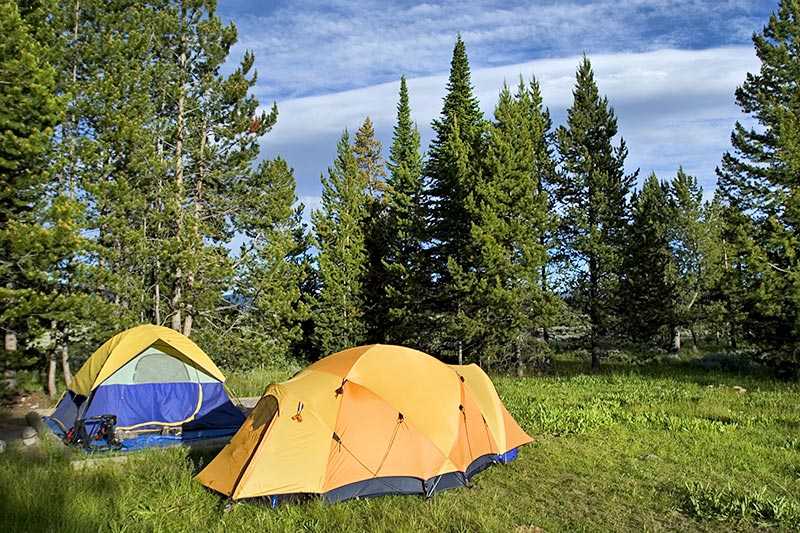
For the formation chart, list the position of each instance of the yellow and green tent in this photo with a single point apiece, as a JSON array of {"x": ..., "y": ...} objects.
[{"x": 156, "y": 382}]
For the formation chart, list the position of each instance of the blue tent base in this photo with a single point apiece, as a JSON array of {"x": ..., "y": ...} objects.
[
  {"x": 509, "y": 456},
  {"x": 188, "y": 438},
  {"x": 383, "y": 486},
  {"x": 204, "y": 438},
  {"x": 201, "y": 411}
]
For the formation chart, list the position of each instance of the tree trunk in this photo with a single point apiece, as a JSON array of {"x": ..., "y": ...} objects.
[
  {"x": 176, "y": 302},
  {"x": 676, "y": 340},
  {"x": 595, "y": 355},
  {"x": 157, "y": 297},
  {"x": 460, "y": 353},
  {"x": 520, "y": 364},
  {"x": 594, "y": 316},
  {"x": 695, "y": 346},
  {"x": 51, "y": 374},
  {"x": 187, "y": 324},
  {"x": 198, "y": 200},
  {"x": 64, "y": 350},
  {"x": 11, "y": 341},
  {"x": 159, "y": 206},
  {"x": 179, "y": 133}
]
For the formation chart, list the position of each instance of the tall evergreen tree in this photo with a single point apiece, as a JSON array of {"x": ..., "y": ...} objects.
[
  {"x": 72, "y": 32},
  {"x": 513, "y": 220},
  {"x": 268, "y": 307},
  {"x": 695, "y": 240},
  {"x": 112, "y": 149},
  {"x": 453, "y": 170},
  {"x": 214, "y": 127},
  {"x": 648, "y": 282},
  {"x": 592, "y": 194},
  {"x": 758, "y": 183},
  {"x": 732, "y": 294},
  {"x": 56, "y": 302},
  {"x": 155, "y": 143},
  {"x": 168, "y": 138},
  {"x": 367, "y": 150},
  {"x": 372, "y": 168},
  {"x": 342, "y": 260},
  {"x": 29, "y": 113},
  {"x": 403, "y": 255}
]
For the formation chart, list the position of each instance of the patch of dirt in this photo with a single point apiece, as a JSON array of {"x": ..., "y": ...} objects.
[{"x": 12, "y": 415}]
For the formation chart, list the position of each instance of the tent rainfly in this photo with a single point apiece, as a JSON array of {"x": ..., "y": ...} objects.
[
  {"x": 159, "y": 385},
  {"x": 368, "y": 421}
]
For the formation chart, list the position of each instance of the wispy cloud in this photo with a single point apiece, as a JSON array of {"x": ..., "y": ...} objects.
[
  {"x": 675, "y": 107},
  {"x": 308, "y": 47}
]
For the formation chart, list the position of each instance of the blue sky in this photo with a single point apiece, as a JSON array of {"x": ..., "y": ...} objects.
[{"x": 669, "y": 68}]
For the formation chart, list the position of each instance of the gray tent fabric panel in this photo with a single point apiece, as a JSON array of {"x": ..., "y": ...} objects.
[
  {"x": 160, "y": 368},
  {"x": 380, "y": 486},
  {"x": 450, "y": 480},
  {"x": 377, "y": 486},
  {"x": 480, "y": 464},
  {"x": 155, "y": 366},
  {"x": 63, "y": 418}
]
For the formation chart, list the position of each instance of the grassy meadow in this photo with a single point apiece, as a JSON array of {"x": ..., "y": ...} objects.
[{"x": 669, "y": 446}]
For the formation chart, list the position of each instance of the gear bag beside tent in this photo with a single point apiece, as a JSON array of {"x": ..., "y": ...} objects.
[
  {"x": 155, "y": 385},
  {"x": 368, "y": 421}
]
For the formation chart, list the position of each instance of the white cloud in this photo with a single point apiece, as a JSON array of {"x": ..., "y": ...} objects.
[
  {"x": 315, "y": 47},
  {"x": 675, "y": 107}
]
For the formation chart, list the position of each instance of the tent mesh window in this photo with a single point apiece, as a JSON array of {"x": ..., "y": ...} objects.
[
  {"x": 159, "y": 367},
  {"x": 155, "y": 366}
]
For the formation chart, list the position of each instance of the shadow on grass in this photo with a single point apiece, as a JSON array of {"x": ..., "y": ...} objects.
[
  {"x": 698, "y": 371},
  {"x": 200, "y": 458},
  {"x": 40, "y": 492}
]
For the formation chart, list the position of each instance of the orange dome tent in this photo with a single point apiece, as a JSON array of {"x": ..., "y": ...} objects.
[{"x": 367, "y": 421}]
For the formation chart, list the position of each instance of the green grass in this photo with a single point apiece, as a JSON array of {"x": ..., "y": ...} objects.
[
  {"x": 647, "y": 448},
  {"x": 254, "y": 382}
]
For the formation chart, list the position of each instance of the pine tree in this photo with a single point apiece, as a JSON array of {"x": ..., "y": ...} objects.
[
  {"x": 213, "y": 130},
  {"x": 758, "y": 184},
  {"x": 372, "y": 168},
  {"x": 732, "y": 294},
  {"x": 403, "y": 255},
  {"x": 170, "y": 139},
  {"x": 48, "y": 275},
  {"x": 367, "y": 150},
  {"x": 648, "y": 282},
  {"x": 147, "y": 171},
  {"x": 342, "y": 260},
  {"x": 695, "y": 242},
  {"x": 72, "y": 32},
  {"x": 109, "y": 151},
  {"x": 592, "y": 193},
  {"x": 513, "y": 206},
  {"x": 159, "y": 185},
  {"x": 453, "y": 170},
  {"x": 29, "y": 113},
  {"x": 164, "y": 138},
  {"x": 272, "y": 265}
]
